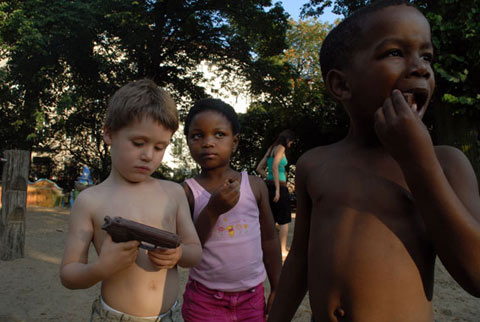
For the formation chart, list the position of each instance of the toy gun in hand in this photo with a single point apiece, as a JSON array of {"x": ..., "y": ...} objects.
[{"x": 123, "y": 230}]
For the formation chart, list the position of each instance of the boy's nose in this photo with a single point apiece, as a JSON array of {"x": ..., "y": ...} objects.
[
  {"x": 419, "y": 67},
  {"x": 147, "y": 154}
]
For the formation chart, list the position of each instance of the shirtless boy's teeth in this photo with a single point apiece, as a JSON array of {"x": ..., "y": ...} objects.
[{"x": 409, "y": 98}]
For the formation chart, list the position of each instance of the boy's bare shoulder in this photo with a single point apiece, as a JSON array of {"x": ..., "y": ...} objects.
[
  {"x": 93, "y": 195},
  {"x": 449, "y": 155},
  {"x": 454, "y": 162},
  {"x": 172, "y": 188},
  {"x": 317, "y": 155}
]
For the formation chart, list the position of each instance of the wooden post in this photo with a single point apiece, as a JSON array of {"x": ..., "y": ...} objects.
[{"x": 14, "y": 204}]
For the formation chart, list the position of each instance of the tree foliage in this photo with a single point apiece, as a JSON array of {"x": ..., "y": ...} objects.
[
  {"x": 64, "y": 59},
  {"x": 298, "y": 101}
]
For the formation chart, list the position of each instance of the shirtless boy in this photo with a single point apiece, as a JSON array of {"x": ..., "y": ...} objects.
[
  {"x": 375, "y": 209},
  {"x": 136, "y": 284}
]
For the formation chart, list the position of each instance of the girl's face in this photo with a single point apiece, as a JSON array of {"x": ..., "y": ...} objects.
[{"x": 210, "y": 139}]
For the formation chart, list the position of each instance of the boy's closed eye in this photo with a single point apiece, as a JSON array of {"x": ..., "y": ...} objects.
[{"x": 138, "y": 143}]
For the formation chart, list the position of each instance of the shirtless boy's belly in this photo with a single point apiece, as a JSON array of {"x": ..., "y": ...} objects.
[
  {"x": 141, "y": 288},
  {"x": 369, "y": 261}
]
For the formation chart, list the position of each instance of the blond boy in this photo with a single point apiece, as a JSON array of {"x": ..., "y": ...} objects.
[{"x": 137, "y": 285}]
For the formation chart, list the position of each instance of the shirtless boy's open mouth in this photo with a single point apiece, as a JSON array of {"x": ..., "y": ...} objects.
[{"x": 417, "y": 96}]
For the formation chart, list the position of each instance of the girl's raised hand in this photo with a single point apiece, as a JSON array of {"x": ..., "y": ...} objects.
[{"x": 225, "y": 197}]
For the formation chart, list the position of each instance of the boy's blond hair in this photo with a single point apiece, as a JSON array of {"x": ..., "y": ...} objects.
[{"x": 139, "y": 99}]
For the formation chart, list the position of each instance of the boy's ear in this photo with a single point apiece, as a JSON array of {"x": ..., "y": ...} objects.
[
  {"x": 235, "y": 142},
  {"x": 107, "y": 136},
  {"x": 337, "y": 85}
]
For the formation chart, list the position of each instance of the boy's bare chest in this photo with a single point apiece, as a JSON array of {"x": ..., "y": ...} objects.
[
  {"x": 366, "y": 211},
  {"x": 149, "y": 207},
  {"x": 366, "y": 188},
  {"x": 365, "y": 230}
]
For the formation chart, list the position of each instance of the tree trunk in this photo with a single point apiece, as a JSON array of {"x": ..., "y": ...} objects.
[{"x": 14, "y": 204}]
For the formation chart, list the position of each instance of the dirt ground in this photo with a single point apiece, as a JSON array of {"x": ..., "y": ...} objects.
[{"x": 30, "y": 289}]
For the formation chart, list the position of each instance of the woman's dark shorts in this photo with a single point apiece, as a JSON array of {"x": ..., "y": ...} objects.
[{"x": 282, "y": 210}]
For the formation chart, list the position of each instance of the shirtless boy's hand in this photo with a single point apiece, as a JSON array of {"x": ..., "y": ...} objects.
[
  {"x": 400, "y": 129},
  {"x": 116, "y": 256},
  {"x": 269, "y": 303},
  {"x": 226, "y": 197},
  {"x": 165, "y": 257}
]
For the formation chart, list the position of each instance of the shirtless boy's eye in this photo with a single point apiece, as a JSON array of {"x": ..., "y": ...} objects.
[
  {"x": 428, "y": 57},
  {"x": 137, "y": 143},
  {"x": 220, "y": 134},
  {"x": 394, "y": 53}
]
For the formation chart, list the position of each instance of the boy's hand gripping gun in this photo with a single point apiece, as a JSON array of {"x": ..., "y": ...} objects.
[{"x": 123, "y": 230}]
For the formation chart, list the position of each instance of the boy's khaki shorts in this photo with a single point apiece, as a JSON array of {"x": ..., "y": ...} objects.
[{"x": 99, "y": 313}]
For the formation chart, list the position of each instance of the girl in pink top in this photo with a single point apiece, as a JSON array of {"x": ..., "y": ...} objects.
[{"x": 234, "y": 222}]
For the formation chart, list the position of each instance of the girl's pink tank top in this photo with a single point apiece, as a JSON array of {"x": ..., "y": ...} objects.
[{"x": 232, "y": 259}]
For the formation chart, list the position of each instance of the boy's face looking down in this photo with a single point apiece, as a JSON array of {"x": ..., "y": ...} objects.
[
  {"x": 395, "y": 53},
  {"x": 137, "y": 149}
]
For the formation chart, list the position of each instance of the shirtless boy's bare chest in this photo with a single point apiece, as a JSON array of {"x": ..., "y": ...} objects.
[{"x": 367, "y": 239}]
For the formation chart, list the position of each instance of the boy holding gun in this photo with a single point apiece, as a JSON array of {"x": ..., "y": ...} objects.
[{"x": 137, "y": 284}]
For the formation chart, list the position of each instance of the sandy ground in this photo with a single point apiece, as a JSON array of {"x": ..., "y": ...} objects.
[{"x": 30, "y": 289}]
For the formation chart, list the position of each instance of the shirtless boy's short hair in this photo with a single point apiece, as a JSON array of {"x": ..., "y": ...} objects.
[
  {"x": 137, "y": 100},
  {"x": 340, "y": 44},
  {"x": 217, "y": 105}
]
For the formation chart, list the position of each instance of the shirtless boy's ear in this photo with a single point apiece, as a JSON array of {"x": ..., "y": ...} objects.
[
  {"x": 107, "y": 136},
  {"x": 337, "y": 85}
]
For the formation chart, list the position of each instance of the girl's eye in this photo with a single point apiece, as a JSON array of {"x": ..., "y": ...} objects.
[
  {"x": 220, "y": 134},
  {"x": 159, "y": 148},
  {"x": 195, "y": 136},
  {"x": 137, "y": 143}
]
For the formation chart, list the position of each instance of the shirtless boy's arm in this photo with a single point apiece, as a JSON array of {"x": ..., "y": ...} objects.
[
  {"x": 189, "y": 253},
  {"x": 443, "y": 185},
  {"x": 75, "y": 271},
  {"x": 293, "y": 280},
  {"x": 272, "y": 258}
]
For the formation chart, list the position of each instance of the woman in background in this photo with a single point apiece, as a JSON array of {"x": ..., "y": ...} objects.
[{"x": 275, "y": 160}]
